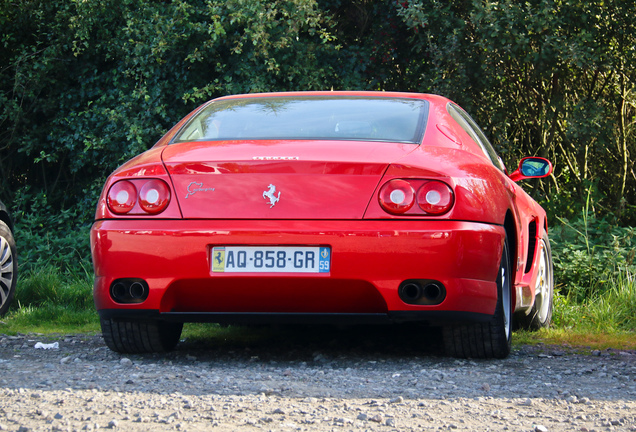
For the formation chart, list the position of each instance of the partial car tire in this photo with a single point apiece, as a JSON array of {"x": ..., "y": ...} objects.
[
  {"x": 8, "y": 268},
  {"x": 136, "y": 337},
  {"x": 540, "y": 315},
  {"x": 490, "y": 339}
]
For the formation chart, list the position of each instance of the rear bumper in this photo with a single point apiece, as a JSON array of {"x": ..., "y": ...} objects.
[{"x": 369, "y": 260}]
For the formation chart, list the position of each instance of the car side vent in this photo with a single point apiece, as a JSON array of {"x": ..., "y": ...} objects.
[{"x": 532, "y": 244}]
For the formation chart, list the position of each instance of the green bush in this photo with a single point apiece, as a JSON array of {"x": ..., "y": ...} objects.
[
  {"x": 47, "y": 237},
  {"x": 590, "y": 255},
  {"x": 612, "y": 309}
]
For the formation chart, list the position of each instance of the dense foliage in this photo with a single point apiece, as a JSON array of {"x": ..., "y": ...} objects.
[{"x": 86, "y": 84}]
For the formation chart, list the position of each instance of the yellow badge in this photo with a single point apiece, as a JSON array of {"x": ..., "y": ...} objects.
[{"x": 218, "y": 259}]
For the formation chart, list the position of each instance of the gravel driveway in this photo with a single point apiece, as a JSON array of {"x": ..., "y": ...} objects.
[{"x": 308, "y": 380}]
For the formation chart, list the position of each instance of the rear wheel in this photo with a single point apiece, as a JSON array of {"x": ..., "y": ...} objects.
[
  {"x": 8, "y": 268},
  {"x": 540, "y": 314},
  {"x": 492, "y": 338},
  {"x": 134, "y": 337}
]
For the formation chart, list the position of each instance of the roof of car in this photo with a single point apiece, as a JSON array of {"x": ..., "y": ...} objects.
[{"x": 429, "y": 97}]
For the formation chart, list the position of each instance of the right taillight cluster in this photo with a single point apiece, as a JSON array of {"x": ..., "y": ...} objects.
[{"x": 431, "y": 197}]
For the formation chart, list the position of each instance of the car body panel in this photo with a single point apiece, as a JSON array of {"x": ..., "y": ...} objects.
[
  {"x": 466, "y": 173},
  {"x": 529, "y": 213},
  {"x": 231, "y": 179},
  {"x": 373, "y": 256}
]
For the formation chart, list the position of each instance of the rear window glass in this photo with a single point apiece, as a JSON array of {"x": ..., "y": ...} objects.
[{"x": 328, "y": 118}]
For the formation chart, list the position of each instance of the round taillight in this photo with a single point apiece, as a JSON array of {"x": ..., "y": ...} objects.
[
  {"x": 435, "y": 197},
  {"x": 154, "y": 196},
  {"x": 122, "y": 197},
  {"x": 397, "y": 196}
]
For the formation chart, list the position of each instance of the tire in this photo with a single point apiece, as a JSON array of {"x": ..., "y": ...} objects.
[
  {"x": 8, "y": 268},
  {"x": 136, "y": 337},
  {"x": 491, "y": 339},
  {"x": 540, "y": 315}
]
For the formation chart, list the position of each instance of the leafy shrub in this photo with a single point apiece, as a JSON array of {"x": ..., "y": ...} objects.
[
  {"x": 589, "y": 255},
  {"x": 609, "y": 310},
  {"x": 46, "y": 237}
]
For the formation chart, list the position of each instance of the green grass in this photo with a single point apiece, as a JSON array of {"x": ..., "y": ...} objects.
[
  {"x": 611, "y": 310},
  {"x": 605, "y": 319},
  {"x": 49, "y": 287},
  {"x": 578, "y": 338},
  {"x": 48, "y": 302},
  {"x": 50, "y": 319}
]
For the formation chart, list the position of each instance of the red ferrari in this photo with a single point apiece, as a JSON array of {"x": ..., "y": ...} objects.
[{"x": 322, "y": 207}]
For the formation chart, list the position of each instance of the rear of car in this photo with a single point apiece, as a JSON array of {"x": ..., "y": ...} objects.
[{"x": 286, "y": 208}]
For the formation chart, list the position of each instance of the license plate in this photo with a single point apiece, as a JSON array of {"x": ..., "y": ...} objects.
[{"x": 271, "y": 259}]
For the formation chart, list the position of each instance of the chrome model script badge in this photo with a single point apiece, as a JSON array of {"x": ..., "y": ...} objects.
[
  {"x": 270, "y": 195},
  {"x": 195, "y": 187},
  {"x": 276, "y": 158}
]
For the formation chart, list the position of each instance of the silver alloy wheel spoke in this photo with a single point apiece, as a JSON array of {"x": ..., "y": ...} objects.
[
  {"x": 542, "y": 288},
  {"x": 5, "y": 253},
  {"x": 6, "y": 269},
  {"x": 505, "y": 297}
]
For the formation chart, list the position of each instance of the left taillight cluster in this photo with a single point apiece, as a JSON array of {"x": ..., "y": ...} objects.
[
  {"x": 417, "y": 197},
  {"x": 138, "y": 197}
]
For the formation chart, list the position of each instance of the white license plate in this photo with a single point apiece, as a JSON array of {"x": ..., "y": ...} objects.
[{"x": 271, "y": 259}]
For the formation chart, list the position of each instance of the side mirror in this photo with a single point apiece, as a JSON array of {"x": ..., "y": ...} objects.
[{"x": 532, "y": 167}]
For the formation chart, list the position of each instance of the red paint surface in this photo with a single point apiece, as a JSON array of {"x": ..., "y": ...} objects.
[{"x": 329, "y": 197}]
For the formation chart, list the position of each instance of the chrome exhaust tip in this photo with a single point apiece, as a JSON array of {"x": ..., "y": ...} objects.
[
  {"x": 129, "y": 290},
  {"x": 422, "y": 292}
]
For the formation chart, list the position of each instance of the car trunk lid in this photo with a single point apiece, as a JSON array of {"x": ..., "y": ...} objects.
[{"x": 278, "y": 179}]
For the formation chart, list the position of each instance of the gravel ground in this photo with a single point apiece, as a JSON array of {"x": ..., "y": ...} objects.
[{"x": 296, "y": 380}]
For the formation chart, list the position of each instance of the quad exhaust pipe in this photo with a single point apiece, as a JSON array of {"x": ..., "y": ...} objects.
[
  {"x": 422, "y": 292},
  {"x": 131, "y": 290}
]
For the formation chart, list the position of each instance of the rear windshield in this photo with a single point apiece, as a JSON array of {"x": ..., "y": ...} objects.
[{"x": 323, "y": 117}]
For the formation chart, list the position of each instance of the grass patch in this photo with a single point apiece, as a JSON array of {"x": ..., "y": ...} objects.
[
  {"x": 227, "y": 335},
  {"x": 612, "y": 310},
  {"x": 50, "y": 287},
  {"x": 594, "y": 340},
  {"x": 49, "y": 319},
  {"x": 48, "y": 301},
  {"x": 605, "y": 319}
]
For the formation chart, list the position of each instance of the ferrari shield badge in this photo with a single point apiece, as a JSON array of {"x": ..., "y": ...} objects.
[{"x": 270, "y": 195}]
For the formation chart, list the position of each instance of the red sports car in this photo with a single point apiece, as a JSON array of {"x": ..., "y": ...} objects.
[{"x": 322, "y": 207}]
